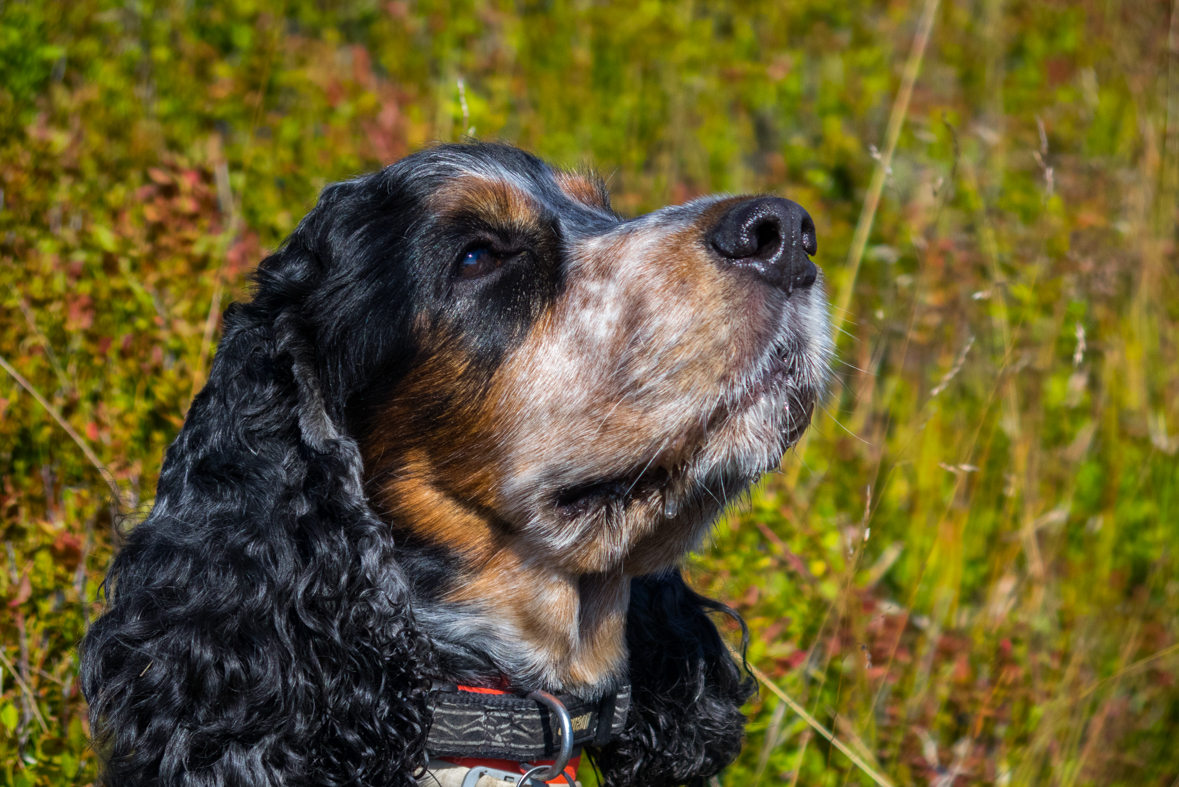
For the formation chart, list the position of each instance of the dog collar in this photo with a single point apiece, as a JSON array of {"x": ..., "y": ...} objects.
[
  {"x": 505, "y": 735},
  {"x": 487, "y": 772}
]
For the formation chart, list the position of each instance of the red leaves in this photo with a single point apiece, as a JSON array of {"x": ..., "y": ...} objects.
[
  {"x": 24, "y": 591},
  {"x": 385, "y": 134},
  {"x": 794, "y": 660},
  {"x": 158, "y": 176},
  {"x": 67, "y": 547},
  {"x": 243, "y": 255},
  {"x": 79, "y": 313}
]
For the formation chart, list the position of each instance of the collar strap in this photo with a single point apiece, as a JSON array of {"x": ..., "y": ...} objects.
[
  {"x": 487, "y": 772},
  {"x": 492, "y": 723}
]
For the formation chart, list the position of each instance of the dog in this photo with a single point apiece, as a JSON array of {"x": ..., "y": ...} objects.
[{"x": 463, "y": 435}]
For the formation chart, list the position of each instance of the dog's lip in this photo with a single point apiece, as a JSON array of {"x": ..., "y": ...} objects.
[
  {"x": 776, "y": 375},
  {"x": 778, "y": 380},
  {"x": 580, "y": 498},
  {"x": 798, "y": 422}
]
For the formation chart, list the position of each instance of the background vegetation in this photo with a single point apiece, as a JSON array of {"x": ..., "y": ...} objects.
[{"x": 968, "y": 573}]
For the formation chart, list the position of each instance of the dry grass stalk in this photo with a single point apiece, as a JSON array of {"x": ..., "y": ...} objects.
[
  {"x": 896, "y": 120},
  {"x": 105, "y": 471},
  {"x": 814, "y": 724}
]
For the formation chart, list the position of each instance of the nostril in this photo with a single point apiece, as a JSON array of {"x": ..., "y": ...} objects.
[
  {"x": 749, "y": 233},
  {"x": 769, "y": 239},
  {"x": 810, "y": 243}
]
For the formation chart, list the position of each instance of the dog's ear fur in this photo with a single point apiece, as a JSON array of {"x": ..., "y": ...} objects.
[
  {"x": 685, "y": 722},
  {"x": 258, "y": 628}
]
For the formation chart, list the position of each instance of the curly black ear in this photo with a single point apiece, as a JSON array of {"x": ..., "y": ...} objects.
[
  {"x": 258, "y": 629},
  {"x": 685, "y": 722}
]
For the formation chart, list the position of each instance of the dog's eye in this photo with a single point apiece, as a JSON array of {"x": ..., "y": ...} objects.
[{"x": 479, "y": 262}]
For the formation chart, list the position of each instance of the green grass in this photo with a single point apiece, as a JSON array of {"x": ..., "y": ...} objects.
[{"x": 970, "y": 566}]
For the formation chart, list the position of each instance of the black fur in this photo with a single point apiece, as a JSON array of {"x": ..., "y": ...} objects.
[
  {"x": 259, "y": 629},
  {"x": 686, "y": 723}
]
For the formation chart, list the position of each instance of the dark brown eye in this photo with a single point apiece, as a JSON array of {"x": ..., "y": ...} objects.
[{"x": 479, "y": 262}]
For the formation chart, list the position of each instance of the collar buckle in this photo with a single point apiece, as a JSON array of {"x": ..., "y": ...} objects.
[
  {"x": 475, "y": 774},
  {"x": 546, "y": 773}
]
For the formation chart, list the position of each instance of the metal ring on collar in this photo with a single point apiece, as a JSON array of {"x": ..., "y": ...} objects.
[{"x": 546, "y": 773}]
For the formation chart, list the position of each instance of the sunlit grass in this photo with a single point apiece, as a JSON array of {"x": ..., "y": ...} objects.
[{"x": 967, "y": 572}]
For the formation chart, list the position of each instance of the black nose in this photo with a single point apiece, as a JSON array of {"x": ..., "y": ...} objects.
[{"x": 771, "y": 237}]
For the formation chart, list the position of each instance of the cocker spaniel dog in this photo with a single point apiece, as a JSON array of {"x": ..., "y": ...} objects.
[{"x": 424, "y": 523}]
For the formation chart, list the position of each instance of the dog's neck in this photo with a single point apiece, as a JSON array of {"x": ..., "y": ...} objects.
[{"x": 509, "y": 621}]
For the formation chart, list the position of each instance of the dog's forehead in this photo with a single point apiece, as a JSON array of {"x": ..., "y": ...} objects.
[{"x": 514, "y": 176}]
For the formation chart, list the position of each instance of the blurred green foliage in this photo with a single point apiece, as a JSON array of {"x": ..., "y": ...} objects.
[{"x": 968, "y": 570}]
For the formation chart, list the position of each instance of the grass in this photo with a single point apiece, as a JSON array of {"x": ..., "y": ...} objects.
[{"x": 967, "y": 574}]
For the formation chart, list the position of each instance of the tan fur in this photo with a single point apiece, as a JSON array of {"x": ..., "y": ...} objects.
[
  {"x": 493, "y": 200},
  {"x": 578, "y": 622},
  {"x": 584, "y": 190}
]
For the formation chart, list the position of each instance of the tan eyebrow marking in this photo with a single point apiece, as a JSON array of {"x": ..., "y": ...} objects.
[{"x": 493, "y": 200}]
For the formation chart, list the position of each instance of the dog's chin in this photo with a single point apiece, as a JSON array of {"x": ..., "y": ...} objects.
[{"x": 652, "y": 515}]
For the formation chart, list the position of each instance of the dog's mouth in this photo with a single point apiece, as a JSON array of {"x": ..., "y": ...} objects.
[
  {"x": 773, "y": 397},
  {"x": 780, "y": 383},
  {"x": 622, "y": 491}
]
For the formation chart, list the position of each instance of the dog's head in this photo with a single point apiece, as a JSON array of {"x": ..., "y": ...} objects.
[{"x": 524, "y": 367}]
